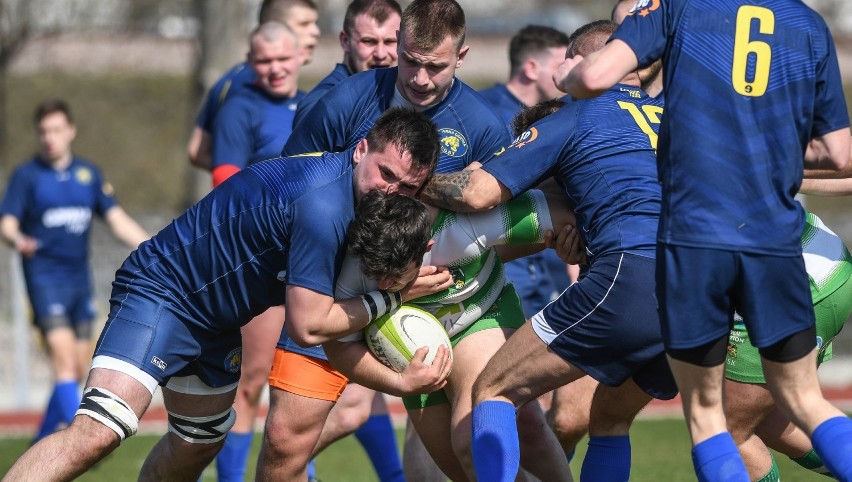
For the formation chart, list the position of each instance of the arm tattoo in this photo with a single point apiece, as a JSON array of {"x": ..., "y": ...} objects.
[{"x": 447, "y": 190}]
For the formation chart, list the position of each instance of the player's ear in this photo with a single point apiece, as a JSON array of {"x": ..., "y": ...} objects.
[
  {"x": 360, "y": 150},
  {"x": 344, "y": 41},
  {"x": 462, "y": 53},
  {"x": 429, "y": 245}
]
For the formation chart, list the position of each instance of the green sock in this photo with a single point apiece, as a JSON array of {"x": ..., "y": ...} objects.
[
  {"x": 773, "y": 475},
  {"x": 813, "y": 462}
]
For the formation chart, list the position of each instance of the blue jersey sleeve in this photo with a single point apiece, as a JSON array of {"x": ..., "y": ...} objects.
[
  {"x": 323, "y": 129},
  {"x": 104, "y": 195},
  {"x": 307, "y": 102},
  {"x": 235, "y": 79},
  {"x": 17, "y": 195},
  {"x": 317, "y": 240},
  {"x": 830, "y": 112},
  {"x": 646, "y": 29},
  {"x": 534, "y": 155},
  {"x": 232, "y": 134}
]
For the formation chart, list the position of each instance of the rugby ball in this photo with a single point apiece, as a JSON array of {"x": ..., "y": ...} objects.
[{"x": 394, "y": 337}]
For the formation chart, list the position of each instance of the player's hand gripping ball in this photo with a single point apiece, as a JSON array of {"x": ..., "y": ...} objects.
[{"x": 394, "y": 337}]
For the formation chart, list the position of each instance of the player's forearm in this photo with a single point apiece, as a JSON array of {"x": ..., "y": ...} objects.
[
  {"x": 354, "y": 361},
  {"x": 465, "y": 191},
  {"x": 827, "y": 187},
  {"x": 125, "y": 229}
]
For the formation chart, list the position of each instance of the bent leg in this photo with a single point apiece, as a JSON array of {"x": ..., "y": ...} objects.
[
  {"x": 417, "y": 462},
  {"x": 61, "y": 456},
  {"x": 259, "y": 337},
  {"x": 520, "y": 371},
  {"x": 204, "y": 421}
]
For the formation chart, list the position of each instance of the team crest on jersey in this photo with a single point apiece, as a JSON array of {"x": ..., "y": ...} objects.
[
  {"x": 644, "y": 7},
  {"x": 453, "y": 144},
  {"x": 525, "y": 138},
  {"x": 234, "y": 360},
  {"x": 458, "y": 277},
  {"x": 107, "y": 189},
  {"x": 819, "y": 343},
  {"x": 83, "y": 175}
]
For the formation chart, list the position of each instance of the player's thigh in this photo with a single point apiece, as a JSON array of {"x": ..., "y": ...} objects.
[
  {"x": 433, "y": 427},
  {"x": 522, "y": 369},
  {"x": 259, "y": 338}
]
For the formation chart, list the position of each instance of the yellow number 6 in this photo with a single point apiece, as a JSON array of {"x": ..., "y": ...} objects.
[{"x": 743, "y": 47}]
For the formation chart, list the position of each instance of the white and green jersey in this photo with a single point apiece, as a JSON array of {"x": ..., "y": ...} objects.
[
  {"x": 827, "y": 260},
  {"x": 464, "y": 244}
]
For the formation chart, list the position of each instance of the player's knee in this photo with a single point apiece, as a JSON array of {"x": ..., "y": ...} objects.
[
  {"x": 532, "y": 426},
  {"x": 206, "y": 430},
  {"x": 110, "y": 410},
  {"x": 349, "y": 419},
  {"x": 568, "y": 425}
]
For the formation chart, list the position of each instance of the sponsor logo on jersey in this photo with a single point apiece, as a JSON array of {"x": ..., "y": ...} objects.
[
  {"x": 234, "y": 360},
  {"x": 644, "y": 7},
  {"x": 525, "y": 138},
  {"x": 632, "y": 93},
  {"x": 732, "y": 351},
  {"x": 159, "y": 363},
  {"x": 819, "y": 343},
  {"x": 453, "y": 144},
  {"x": 75, "y": 219},
  {"x": 83, "y": 175}
]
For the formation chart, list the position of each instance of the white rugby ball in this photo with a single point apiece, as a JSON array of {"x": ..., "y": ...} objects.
[{"x": 394, "y": 337}]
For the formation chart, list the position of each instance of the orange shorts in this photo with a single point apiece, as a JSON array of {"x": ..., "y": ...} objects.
[{"x": 306, "y": 376}]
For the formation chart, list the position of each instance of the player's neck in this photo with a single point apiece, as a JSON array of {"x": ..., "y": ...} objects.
[
  {"x": 59, "y": 163},
  {"x": 525, "y": 92}
]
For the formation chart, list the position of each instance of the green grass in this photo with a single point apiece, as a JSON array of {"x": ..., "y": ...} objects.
[{"x": 660, "y": 453}]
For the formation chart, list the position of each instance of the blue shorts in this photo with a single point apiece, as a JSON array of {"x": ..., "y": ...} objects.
[
  {"x": 154, "y": 335},
  {"x": 699, "y": 290},
  {"x": 69, "y": 300},
  {"x": 607, "y": 325},
  {"x": 532, "y": 282}
]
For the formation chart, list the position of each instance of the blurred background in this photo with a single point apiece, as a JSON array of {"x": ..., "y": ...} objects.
[{"x": 134, "y": 73}]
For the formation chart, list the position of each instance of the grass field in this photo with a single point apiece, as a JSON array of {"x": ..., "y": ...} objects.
[{"x": 660, "y": 454}]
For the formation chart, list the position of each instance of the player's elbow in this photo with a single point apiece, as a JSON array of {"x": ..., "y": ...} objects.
[{"x": 304, "y": 336}]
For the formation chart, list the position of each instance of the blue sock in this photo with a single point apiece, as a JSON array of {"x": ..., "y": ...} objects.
[
  {"x": 312, "y": 470},
  {"x": 495, "y": 446},
  {"x": 832, "y": 440},
  {"x": 378, "y": 438},
  {"x": 232, "y": 459},
  {"x": 62, "y": 406},
  {"x": 717, "y": 460},
  {"x": 51, "y": 418},
  {"x": 607, "y": 460},
  {"x": 68, "y": 400}
]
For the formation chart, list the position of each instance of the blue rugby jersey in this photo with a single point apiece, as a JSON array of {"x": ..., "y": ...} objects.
[
  {"x": 504, "y": 103},
  {"x": 234, "y": 80},
  {"x": 336, "y": 76},
  {"x": 229, "y": 257},
  {"x": 601, "y": 151},
  {"x": 56, "y": 207},
  {"x": 468, "y": 128},
  {"x": 252, "y": 126},
  {"x": 747, "y": 85}
]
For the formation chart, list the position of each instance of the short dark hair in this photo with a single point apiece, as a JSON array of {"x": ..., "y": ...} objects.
[
  {"x": 590, "y": 37},
  {"x": 52, "y": 106},
  {"x": 377, "y": 9},
  {"x": 409, "y": 131},
  {"x": 388, "y": 233},
  {"x": 426, "y": 23},
  {"x": 530, "y": 41},
  {"x": 279, "y": 10},
  {"x": 530, "y": 115}
]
